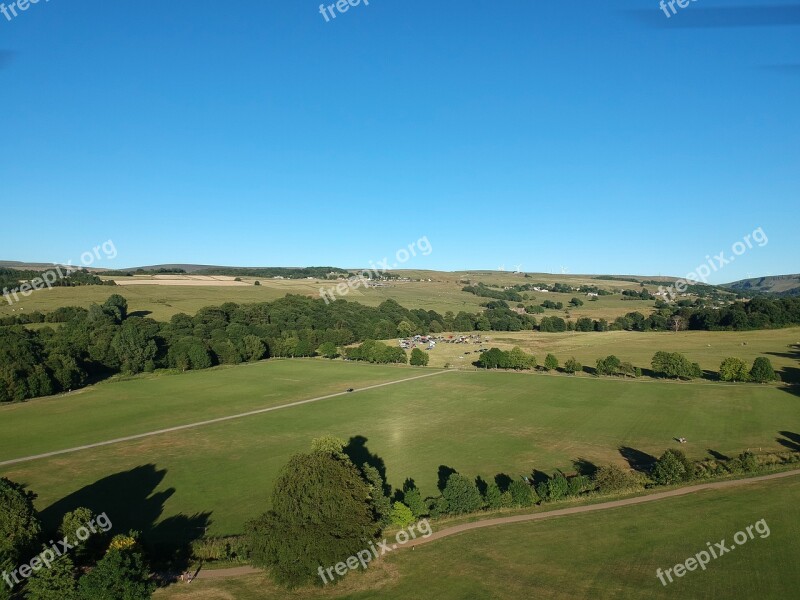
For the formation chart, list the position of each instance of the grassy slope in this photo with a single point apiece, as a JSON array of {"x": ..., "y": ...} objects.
[
  {"x": 552, "y": 559},
  {"x": 478, "y": 423}
]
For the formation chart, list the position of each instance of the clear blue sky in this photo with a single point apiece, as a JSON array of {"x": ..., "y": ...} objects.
[{"x": 564, "y": 134}]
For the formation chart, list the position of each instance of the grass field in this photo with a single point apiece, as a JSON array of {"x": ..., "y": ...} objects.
[
  {"x": 552, "y": 559},
  {"x": 478, "y": 423},
  {"x": 441, "y": 294},
  {"x": 708, "y": 348}
]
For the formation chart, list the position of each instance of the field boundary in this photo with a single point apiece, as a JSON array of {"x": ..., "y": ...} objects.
[{"x": 250, "y": 413}]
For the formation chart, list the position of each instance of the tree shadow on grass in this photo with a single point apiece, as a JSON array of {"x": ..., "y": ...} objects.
[
  {"x": 444, "y": 474},
  {"x": 717, "y": 455},
  {"x": 638, "y": 460},
  {"x": 792, "y": 441},
  {"x": 130, "y": 501},
  {"x": 583, "y": 466},
  {"x": 356, "y": 449}
]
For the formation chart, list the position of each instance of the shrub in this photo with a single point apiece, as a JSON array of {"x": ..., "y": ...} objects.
[
  {"x": 572, "y": 366},
  {"x": 401, "y": 515},
  {"x": 461, "y": 495},
  {"x": 419, "y": 358},
  {"x": 521, "y": 493},
  {"x": 613, "y": 478},
  {"x": 733, "y": 369},
  {"x": 762, "y": 371},
  {"x": 550, "y": 362},
  {"x": 672, "y": 467}
]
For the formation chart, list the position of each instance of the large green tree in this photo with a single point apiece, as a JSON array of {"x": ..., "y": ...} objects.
[{"x": 322, "y": 513}]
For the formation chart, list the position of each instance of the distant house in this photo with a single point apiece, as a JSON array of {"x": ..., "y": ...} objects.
[{"x": 592, "y": 295}]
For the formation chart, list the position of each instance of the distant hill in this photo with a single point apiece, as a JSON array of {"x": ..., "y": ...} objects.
[{"x": 779, "y": 285}]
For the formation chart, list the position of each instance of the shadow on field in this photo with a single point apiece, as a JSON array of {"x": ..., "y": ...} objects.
[
  {"x": 356, "y": 450},
  {"x": 140, "y": 313},
  {"x": 638, "y": 460},
  {"x": 130, "y": 502},
  {"x": 584, "y": 467},
  {"x": 792, "y": 441},
  {"x": 790, "y": 374},
  {"x": 444, "y": 474},
  {"x": 717, "y": 455}
]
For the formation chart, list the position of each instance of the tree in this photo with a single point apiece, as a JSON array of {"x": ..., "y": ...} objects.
[
  {"x": 521, "y": 493},
  {"x": 381, "y": 503},
  {"x": 413, "y": 499},
  {"x": 576, "y": 302},
  {"x": 117, "y": 307},
  {"x": 405, "y": 329},
  {"x": 550, "y": 362},
  {"x": 19, "y": 524},
  {"x": 492, "y": 497},
  {"x": 674, "y": 364},
  {"x": 419, "y": 358},
  {"x": 672, "y": 467},
  {"x": 608, "y": 365},
  {"x": 461, "y": 495},
  {"x": 328, "y": 350},
  {"x": 733, "y": 369},
  {"x": 122, "y": 574},
  {"x": 572, "y": 366},
  {"x": 134, "y": 344},
  {"x": 762, "y": 371},
  {"x": 520, "y": 360},
  {"x": 73, "y": 521},
  {"x": 401, "y": 515},
  {"x": 322, "y": 513},
  {"x": 557, "y": 487},
  {"x": 55, "y": 583},
  {"x": 612, "y": 479}
]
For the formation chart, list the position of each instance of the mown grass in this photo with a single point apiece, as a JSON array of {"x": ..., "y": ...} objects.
[
  {"x": 481, "y": 423},
  {"x": 608, "y": 554}
]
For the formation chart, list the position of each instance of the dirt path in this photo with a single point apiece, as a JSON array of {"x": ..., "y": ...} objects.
[
  {"x": 209, "y": 421},
  {"x": 443, "y": 533}
]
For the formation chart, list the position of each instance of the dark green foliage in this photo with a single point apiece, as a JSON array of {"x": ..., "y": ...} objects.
[
  {"x": 550, "y": 362},
  {"x": 419, "y": 358},
  {"x": 612, "y": 478},
  {"x": 119, "y": 575},
  {"x": 762, "y": 371},
  {"x": 461, "y": 495},
  {"x": 19, "y": 523},
  {"x": 58, "y": 582},
  {"x": 675, "y": 364},
  {"x": 322, "y": 513},
  {"x": 377, "y": 352},
  {"x": 673, "y": 467},
  {"x": 522, "y": 493},
  {"x": 572, "y": 366},
  {"x": 517, "y": 359}
]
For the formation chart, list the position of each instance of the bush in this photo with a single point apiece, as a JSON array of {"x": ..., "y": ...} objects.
[
  {"x": 675, "y": 364},
  {"x": 613, "y": 478},
  {"x": 749, "y": 461},
  {"x": 673, "y": 467},
  {"x": 419, "y": 358},
  {"x": 461, "y": 495},
  {"x": 521, "y": 493},
  {"x": 550, "y": 362},
  {"x": 762, "y": 371},
  {"x": 733, "y": 369},
  {"x": 401, "y": 515},
  {"x": 572, "y": 366}
]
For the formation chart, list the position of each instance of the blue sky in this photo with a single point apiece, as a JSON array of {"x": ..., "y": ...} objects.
[{"x": 589, "y": 136}]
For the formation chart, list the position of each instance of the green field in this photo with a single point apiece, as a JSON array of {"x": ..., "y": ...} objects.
[
  {"x": 478, "y": 423},
  {"x": 608, "y": 554},
  {"x": 443, "y": 293},
  {"x": 708, "y": 348}
]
